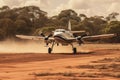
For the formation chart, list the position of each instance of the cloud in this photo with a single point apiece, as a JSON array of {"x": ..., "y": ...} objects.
[
  {"x": 114, "y": 7},
  {"x": 40, "y": 3},
  {"x": 2, "y": 3},
  {"x": 32, "y": 2},
  {"x": 53, "y": 7},
  {"x": 78, "y": 4},
  {"x": 19, "y": 3},
  {"x": 91, "y": 7},
  {"x": 13, "y": 3}
]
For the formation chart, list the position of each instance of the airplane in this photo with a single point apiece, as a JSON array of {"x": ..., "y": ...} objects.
[{"x": 65, "y": 38}]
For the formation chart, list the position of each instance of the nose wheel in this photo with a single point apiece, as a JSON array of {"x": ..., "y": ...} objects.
[
  {"x": 49, "y": 50},
  {"x": 74, "y": 50}
]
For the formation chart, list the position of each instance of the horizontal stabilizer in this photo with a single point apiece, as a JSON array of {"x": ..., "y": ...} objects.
[{"x": 77, "y": 32}]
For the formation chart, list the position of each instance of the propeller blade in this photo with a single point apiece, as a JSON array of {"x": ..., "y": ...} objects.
[
  {"x": 42, "y": 35},
  {"x": 50, "y": 35},
  {"x": 79, "y": 40}
]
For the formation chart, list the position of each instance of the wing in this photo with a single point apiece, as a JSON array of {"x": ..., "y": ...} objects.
[
  {"x": 32, "y": 37},
  {"x": 97, "y": 37}
]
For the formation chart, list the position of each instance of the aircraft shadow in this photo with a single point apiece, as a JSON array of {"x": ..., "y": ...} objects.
[{"x": 78, "y": 53}]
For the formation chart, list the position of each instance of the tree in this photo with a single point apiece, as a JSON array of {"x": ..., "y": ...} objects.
[
  {"x": 4, "y": 8},
  {"x": 7, "y": 25},
  {"x": 113, "y": 27},
  {"x": 98, "y": 24},
  {"x": 67, "y": 15},
  {"x": 82, "y": 16},
  {"x": 2, "y": 35},
  {"x": 21, "y": 27},
  {"x": 92, "y": 25},
  {"x": 112, "y": 16},
  {"x": 26, "y": 19},
  {"x": 45, "y": 30}
]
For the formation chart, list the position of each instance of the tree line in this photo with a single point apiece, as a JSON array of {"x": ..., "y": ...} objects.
[{"x": 30, "y": 20}]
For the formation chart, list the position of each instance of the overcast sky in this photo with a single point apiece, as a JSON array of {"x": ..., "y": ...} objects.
[{"x": 53, "y": 7}]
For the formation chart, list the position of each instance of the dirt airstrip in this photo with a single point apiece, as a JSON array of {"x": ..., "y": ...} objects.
[{"x": 92, "y": 62}]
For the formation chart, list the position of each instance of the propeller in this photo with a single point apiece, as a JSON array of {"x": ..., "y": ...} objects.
[
  {"x": 42, "y": 34},
  {"x": 46, "y": 38},
  {"x": 79, "y": 38}
]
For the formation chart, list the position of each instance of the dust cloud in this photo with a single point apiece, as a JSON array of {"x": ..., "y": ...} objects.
[
  {"x": 10, "y": 46},
  {"x": 30, "y": 47},
  {"x": 20, "y": 47}
]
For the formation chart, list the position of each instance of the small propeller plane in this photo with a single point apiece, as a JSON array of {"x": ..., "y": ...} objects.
[{"x": 66, "y": 37}]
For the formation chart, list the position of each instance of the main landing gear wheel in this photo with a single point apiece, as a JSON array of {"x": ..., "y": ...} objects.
[
  {"x": 74, "y": 50},
  {"x": 49, "y": 50}
]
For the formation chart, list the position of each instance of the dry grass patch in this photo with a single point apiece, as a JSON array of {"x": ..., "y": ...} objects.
[
  {"x": 71, "y": 74},
  {"x": 107, "y": 67},
  {"x": 113, "y": 66},
  {"x": 116, "y": 59}
]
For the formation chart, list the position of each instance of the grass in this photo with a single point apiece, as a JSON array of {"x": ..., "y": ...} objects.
[
  {"x": 106, "y": 67},
  {"x": 116, "y": 59},
  {"x": 55, "y": 74},
  {"x": 68, "y": 74},
  {"x": 110, "y": 67},
  {"x": 76, "y": 76},
  {"x": 108, "y": 74}
]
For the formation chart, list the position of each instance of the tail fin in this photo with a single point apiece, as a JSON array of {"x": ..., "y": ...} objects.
[{"x": 69, "y": 25}]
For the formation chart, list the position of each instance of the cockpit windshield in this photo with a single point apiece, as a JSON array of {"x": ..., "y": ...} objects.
[{"x": 60, "y": 30}]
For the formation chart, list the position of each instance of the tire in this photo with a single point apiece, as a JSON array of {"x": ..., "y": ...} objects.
[
  {"x": 49, "y": 50},
  {"x": 74, "y": 50}
]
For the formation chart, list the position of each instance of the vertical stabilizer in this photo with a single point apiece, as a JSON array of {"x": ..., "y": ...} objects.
[{"x": 69, "y": 25}]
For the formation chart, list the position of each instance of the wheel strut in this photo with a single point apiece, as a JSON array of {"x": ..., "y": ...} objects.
[
  {"x": 74, "y": 49},
  {"x": 50, "y": 49}
]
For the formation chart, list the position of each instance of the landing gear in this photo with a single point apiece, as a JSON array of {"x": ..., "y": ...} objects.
[
  {"x": 49, "y": 50},
  {"x": 74, "y": 49}
]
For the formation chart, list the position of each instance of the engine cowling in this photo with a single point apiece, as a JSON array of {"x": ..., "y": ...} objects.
[
  {"x": 79, "y": 40},
  {"x": 46, "y": 38}
]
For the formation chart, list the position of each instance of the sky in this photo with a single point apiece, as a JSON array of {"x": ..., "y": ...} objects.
[{"x": 53, "y": 7}]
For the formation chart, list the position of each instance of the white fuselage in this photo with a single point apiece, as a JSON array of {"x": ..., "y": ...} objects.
[{"x": 63, "y": 36}]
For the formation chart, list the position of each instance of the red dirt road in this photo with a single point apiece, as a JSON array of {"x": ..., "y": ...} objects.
[{"x": 98, "y": 64}]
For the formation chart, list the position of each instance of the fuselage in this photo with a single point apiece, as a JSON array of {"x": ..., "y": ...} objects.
[{"x": 63, "y": 36}]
